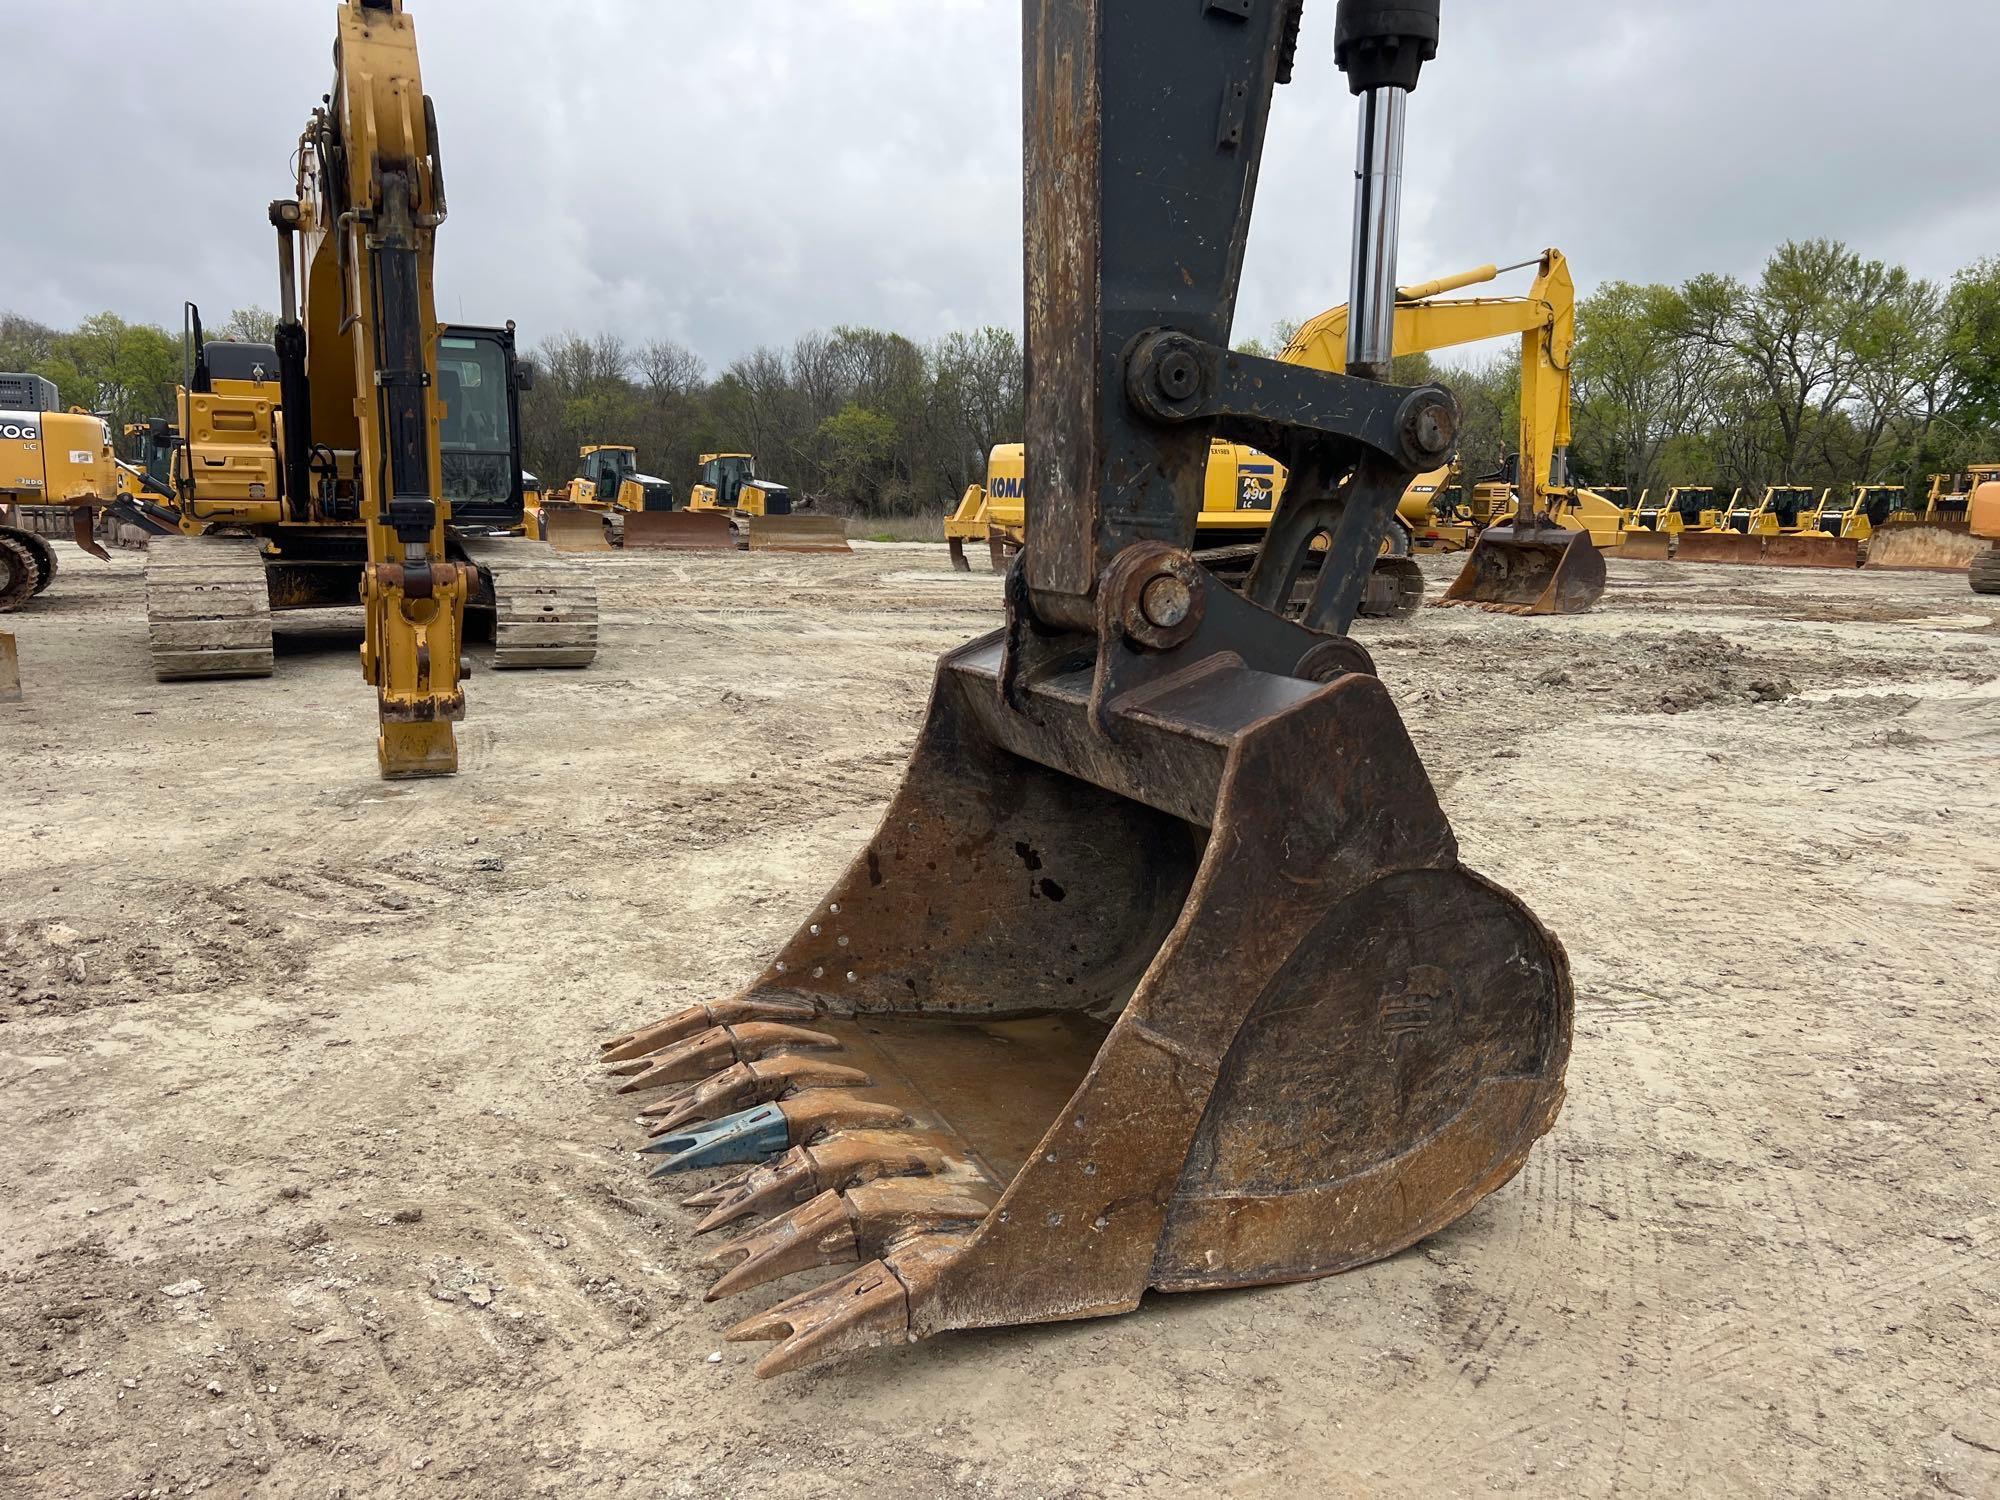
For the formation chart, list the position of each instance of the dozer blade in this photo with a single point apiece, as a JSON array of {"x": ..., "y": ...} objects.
[
  {"x": 1645, "y": 546},
  {"x": 678, "y": 531},
  {"x": 1811, "y": 550},
  {"x": 1928, "y": 546},
  {"x": 798, "y": 534},
  {"x": 1241, "y": 1018},
  {"x": 1719, "y": 547},
  {"x": 1542, "y": 570},
  {"x": 569, "y": 529}
]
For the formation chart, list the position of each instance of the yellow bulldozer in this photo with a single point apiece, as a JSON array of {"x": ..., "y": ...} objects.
[
  {"x": 1163, "y": 971},
  {"x": 370, "y": 454},
  {"x": 608, "y": 504},
  {"x": 51, "y": 461},
  {"x": 1982, "y": 520},
  {"x": 760, "y": 511},
  {"x": 1939, "y": 537}
]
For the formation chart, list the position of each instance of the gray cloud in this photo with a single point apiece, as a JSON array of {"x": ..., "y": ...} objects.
[{"x": 734, "y": 174}]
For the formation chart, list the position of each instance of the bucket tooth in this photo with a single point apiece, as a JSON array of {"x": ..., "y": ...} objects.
[
  {"x": 753, "y": 1135},
  {"x": 864, "y": 1309},
  {"x": 717, "y": 1048},
  {"x": 699, "y": 1018},
  {"x": 838, "y": 1228},
  {"x": 841, "y": 1161},
  {"x": 753, "y": 1083},
  {"x": 747, "y": 1136}
]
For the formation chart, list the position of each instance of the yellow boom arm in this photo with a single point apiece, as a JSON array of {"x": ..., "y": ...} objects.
[
  {"x": 371, "y": 195},
  {"x": 1427, "y": 320}
]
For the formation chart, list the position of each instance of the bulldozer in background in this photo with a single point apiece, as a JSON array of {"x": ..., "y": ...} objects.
[
  {"x": 607, "y": 505},
  {"x": 1939, "y": 538},
  {"x": 371, "y": 454},
  {"x": 760, "y": 512},
  {"x": 1162, "y": 971},
  {"x": 50, "y": 460}
]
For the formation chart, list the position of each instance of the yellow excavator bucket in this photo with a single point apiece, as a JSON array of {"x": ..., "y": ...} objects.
[
  {"x": 1527, "y": 569},
  {"x": 1162, "y": 970}
]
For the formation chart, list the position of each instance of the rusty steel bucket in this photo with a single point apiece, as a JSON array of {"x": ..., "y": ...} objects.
[
  {"x": 1530, "y": 570},
  {"x": 678, "y": 531},
  {"x": 1719, "y": 547},
  {"x": 1069, "y": 1029},
  {"x": 569, "y": 528},
  {"x": 1804, "y": 549},
  {"x": 798, "y": 534}
]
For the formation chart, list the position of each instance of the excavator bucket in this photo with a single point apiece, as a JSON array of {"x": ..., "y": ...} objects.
[
  {"x": 1811, "y": 550},
  {"x": 1719, "y": 547},
  {"x": 1162, "y": 970},
  {"x": 1059, "y": 1035},
  {"x": 1530, "y": 570},
  {"x": 798, "y": 534},
  {"x": 569, "y": 528},
  {"x": 678, "y": 531}
]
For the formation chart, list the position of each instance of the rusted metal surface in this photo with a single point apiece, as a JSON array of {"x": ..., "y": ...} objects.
[
  {"x": 1645, "y": 546},
  {"x": 678, "y": 531},
  {"x": 1719, "y": 547},
  {"x": 1162, "y": 970},
  {"x": 1530, "y": 570},
  {"x": 1811, "y": 550},
  {"x": 797, "y": 533}
]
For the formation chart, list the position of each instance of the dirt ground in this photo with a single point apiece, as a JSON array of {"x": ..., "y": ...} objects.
[{"x": 311, "y": 1188}]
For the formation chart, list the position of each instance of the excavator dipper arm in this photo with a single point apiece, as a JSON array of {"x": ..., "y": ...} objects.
[
  {"x": 1162, "y": 970},
  {"x": 371, "y": 197}
]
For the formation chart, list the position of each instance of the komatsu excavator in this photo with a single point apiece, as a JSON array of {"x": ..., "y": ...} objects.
[
  {"x": 371, "y": 453},
  {"x": 48, "y": 458},
  {"x": 1163, "y": 970}
]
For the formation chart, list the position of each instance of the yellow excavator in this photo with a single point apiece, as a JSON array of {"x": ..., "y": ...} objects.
[
  {"x": 760, "y": 511},
  {"x": 1982, "y": 520},
  {"x": 1163, "y": 971},
  {"x": 370, "y": 453},
  {"x": 48, "y": 459},
  {"x": 1539, "y": 571}
]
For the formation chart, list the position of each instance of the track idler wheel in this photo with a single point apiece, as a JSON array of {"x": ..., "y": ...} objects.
[{"x": 1177, "y": 989}]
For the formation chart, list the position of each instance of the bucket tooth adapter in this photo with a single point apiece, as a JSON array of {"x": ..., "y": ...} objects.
[{"x": 1162, "y": 971}]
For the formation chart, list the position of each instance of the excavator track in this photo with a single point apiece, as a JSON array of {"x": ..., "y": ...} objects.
[
  {"x": 208, "y": 608},
  {"x": 544, "y": 607},
  {"x": 18, "y": 573}
]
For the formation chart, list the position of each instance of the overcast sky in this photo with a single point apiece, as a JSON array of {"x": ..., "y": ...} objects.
[{"x": 735, "y": 172}]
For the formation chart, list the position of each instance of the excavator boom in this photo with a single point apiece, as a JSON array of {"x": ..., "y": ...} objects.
[{"x": 1162, "y": 970}]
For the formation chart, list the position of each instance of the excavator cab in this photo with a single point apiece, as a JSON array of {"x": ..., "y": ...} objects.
[{"x": 1162, "y": 970}]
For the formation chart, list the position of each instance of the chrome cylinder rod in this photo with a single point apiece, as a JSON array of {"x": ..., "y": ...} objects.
[{"x": 1378, "y": 205}]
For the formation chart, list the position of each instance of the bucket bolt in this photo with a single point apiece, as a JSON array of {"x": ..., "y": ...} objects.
[{"x": 1154, "y": 594}]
